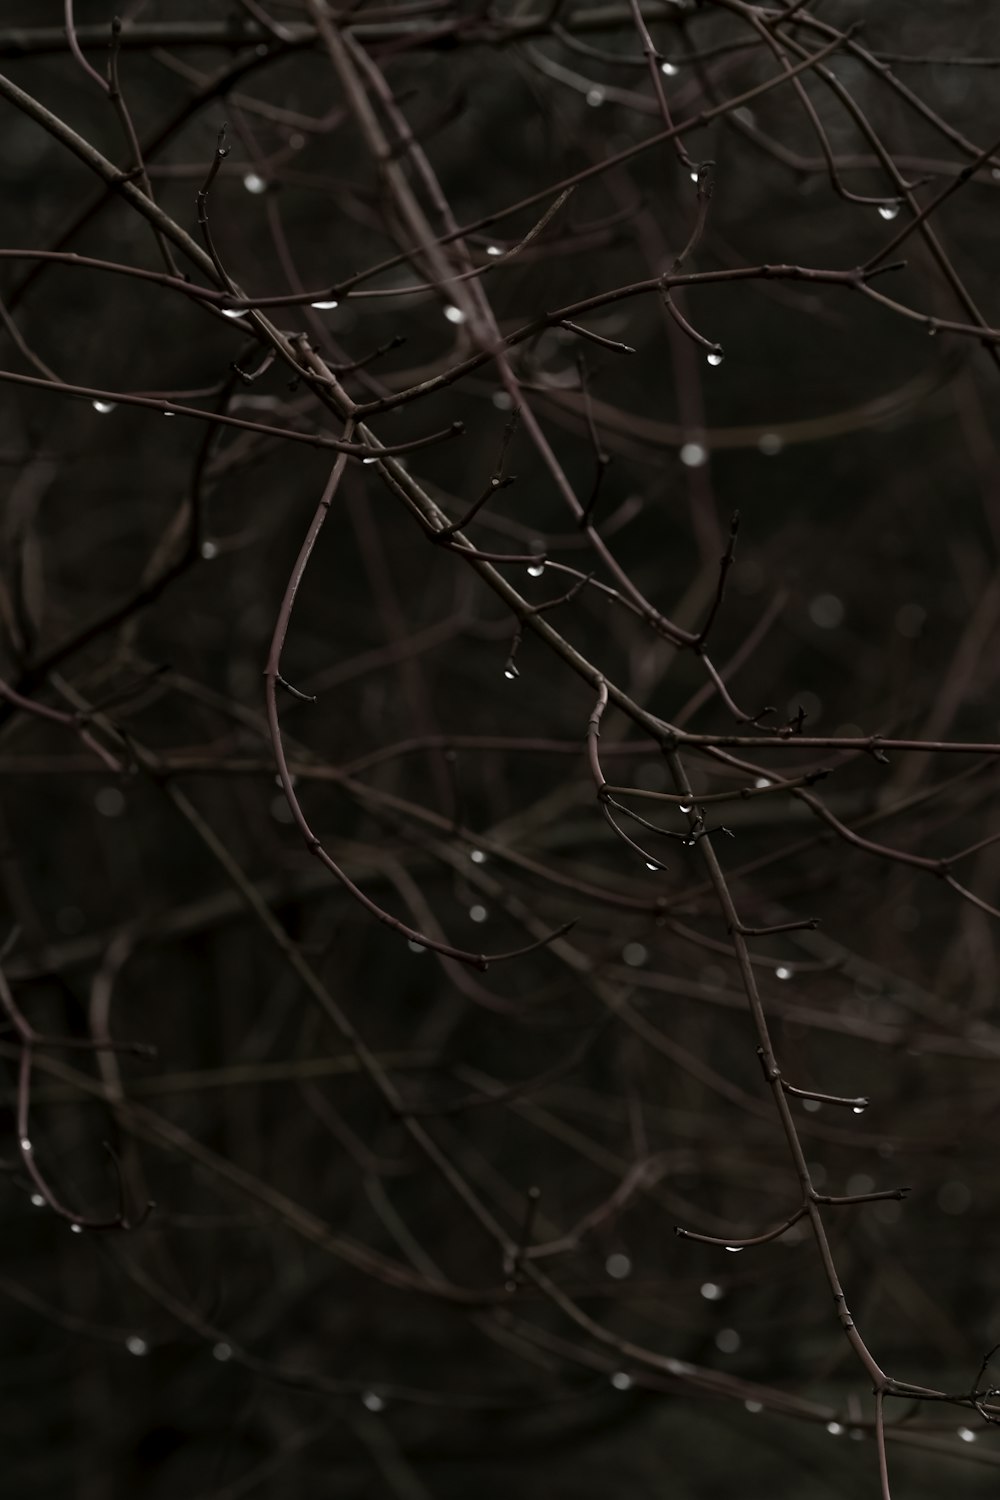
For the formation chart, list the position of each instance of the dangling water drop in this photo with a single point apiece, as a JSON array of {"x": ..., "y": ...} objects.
[
  {"x": 254, "y": 183},
  {"x": 137, "y": 1346},
  {"x": 595, "y": 97},
  {"x": 510, "y": 673},
  {"x": 103, "y": 407},
  {"x": 685, "y": 807},
  {"x": 76, "y": 1228},
  {"x": 716, "y": 357},
  {"x": 536, "y": 570},
  {"x": 834, "y": 1429},
  {"x": 621, "y": 1380},
  {"x": 858, "y": 1109},
  {"x": 454, "y": 314},
  {"x": 326, "y": 306},
  {"x": 37, "y": 1201},
  {"x": 652, "y": 865},
  {"x": 782, "y": 973},
  {"x": 494, "y": 250},
  {"x": 669, "y": 69},
  {"x": 372, "y": 1401},
  {"x": 888, "y": 210},
  {"x": 734, "y": 1249},
  {"x": 234, "y": 312}
]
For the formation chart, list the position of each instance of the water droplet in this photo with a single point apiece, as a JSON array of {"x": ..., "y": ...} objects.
[
  {"x": 454, "y": 314},
  {"x": 536, "y": 570},
  {"x": 685, "y": 807},
  {"x": 209, "y": 550},
  {"x": 103, "y": 406},
  {"x": 711, "y": 1291},
  {"x": 326, "y": 305},
  {"x": 621, "y": 1380},
  {"x": 37, "y": 1201},
  {"x": 811, "y": 1106},
  {"x": 76, "y": 1229},
  {"x": 888, "y": 210},
  {"x": 494, "y": 250},
  {"x": 137, "y": 1346},
  {"x": 595, "y": 97},
  {"x": 25, "y": 1144},
  {"x": 618, "y": 1266},
  {"x": 502, "y": 401},
  {"x": 694, "y": 176},
  {"x": 635, "y": 955},
  {"x": 510, "y": 673},
  {"x": 735, "y": 1249},
  {"x": 727, "y": 1340},
  {"x": 254, "y": 183},
  {"x": 280, "y": 810},
  {"x": 693, "y": 455},
  {"x": 910, "y": 620},
  {"x": 415, "y": 947},
  {"x": 954, "y": 1197},
  {"x": 716, "y": 357},
  {"x": 221, "y": 1352},
  {"x": 826, "y": 611},
  {"x": 652, "y": 865},
  {"x": 754, "y": 1406},
  {"x": 669, "y": 69},
  {"x": 762, "y": 781},
  {"x": 770, "y": 443},
  {"x": 372, "y": 1401},
  {"x": 858, "y": 1109},
  {"x": 109, "y": 802},
  {"x": 477, "y": 856},
  {"x": 170, "y": 414},
  {"x": 782, "y": 973},
  {"x": 477, "y": 914},
  {"x": 834, "y": 1429},
  {"x": 369, "y": 460},
  {"x": 967, "y": 1435}
]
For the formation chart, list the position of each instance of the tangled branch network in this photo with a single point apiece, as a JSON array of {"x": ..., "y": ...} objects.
[{"x": 499, "y": 605}]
